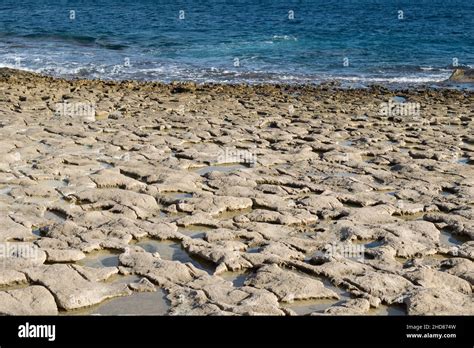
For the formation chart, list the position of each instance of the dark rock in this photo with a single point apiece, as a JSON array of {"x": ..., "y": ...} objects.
[{"x": 464, "y": 75}]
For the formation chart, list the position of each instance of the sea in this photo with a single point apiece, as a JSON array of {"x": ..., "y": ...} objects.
[{"x": 354, "y": 42}]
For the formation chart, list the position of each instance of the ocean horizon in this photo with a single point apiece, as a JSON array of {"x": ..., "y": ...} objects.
[{"x": 354, "y": 42}]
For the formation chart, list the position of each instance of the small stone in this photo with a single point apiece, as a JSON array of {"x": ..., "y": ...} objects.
[{"x": 143, "y": 285}]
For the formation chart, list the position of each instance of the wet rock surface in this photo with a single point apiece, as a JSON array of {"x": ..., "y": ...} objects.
[
  {"x": 463, "y": 75},
  {"x": 234, "y": 200}
]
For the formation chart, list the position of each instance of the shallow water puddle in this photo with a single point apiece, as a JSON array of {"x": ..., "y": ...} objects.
[
  {"x": 437, "y": 257},
  {"x": 428, "y": 258},
  {"x": 253, "y": 250},
  {"x": 237, "y": 278},
  {"x": 305, "y": 307},
  {"x": 399, "y": 99},
  {"x": 410, "y": 217},
  {"x": 176, "y": 195},
  {"x": 194, "y": 231},
  {"x": 398, "y": 310},
  {"x": 101, "y": 258},
  {"x": 447, "y": 192},
  {"x": 464, "y": 160},
  {"x": 5, "y": 190},
  {"x": 39, "y": 231},
  {"x": 138, "y": 303},
  {"x": 225, "y": 168},
  {"x": 347, "y": 143},
  {"x": 402, "y": 260},
  {"x": 450, "y": 239},
  {"x": 54, "y": 183},
  {"x": 369, "y": 244},
  {"x": 173, "y": 251},
  {"x": 374, "y": 244},
  {"x": 105, "y": 165}
]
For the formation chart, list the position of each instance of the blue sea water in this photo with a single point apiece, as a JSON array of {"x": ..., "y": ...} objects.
[{"x": 357, "y": 42}]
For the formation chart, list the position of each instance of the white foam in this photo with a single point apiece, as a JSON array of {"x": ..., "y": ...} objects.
[
  {"x": 398, "y": 79},
  {"x": 285, "y": 37}
]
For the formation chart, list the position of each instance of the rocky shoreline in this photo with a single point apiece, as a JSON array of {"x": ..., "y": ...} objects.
[{"x": 235, "y": 199}]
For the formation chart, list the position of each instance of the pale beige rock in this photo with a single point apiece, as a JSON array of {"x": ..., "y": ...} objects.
[
  {"x": 33, "y": 300},
  {"x": 161, "y": 272},
  {"x": 288, "y": 286},
  {"x": 63, "y": 255},
  {"x": 108, "y": 178},
  {"x": 215, "y": 205},
  {"x": 76, "y": 292},
  {"x": 356, "y": 306},
  {"x": 225, "y": 253},
  {"x": 439, "y": 302},
  {"x": 141, "y": 204},
  {"x": 429, "y": 278},
  {"x": 10, "y": 277},
  {"x": 412, "y": 237},
  {"x": 459, "y": 267},
  {"x": 11, "y": 230}
]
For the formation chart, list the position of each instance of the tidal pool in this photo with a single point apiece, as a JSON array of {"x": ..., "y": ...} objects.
[
  {"x": 138, "y": 303},
  {"x": 101, "y": 258},
  {"x": 173, "y": 251}
]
